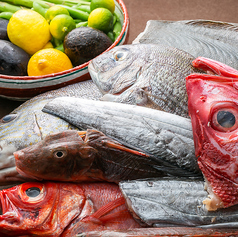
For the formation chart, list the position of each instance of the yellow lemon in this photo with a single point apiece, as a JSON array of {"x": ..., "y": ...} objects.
[
  {"x": 61, "y": 25},
  {"x": 28, "y": 30},
  {"x": 54, "y": 11},
  {"x": 48, "y": 45},
  {"x": 109, "y": 4},
  {"x": 47, "y": 61},
  {"x": 101, "y": 19}
]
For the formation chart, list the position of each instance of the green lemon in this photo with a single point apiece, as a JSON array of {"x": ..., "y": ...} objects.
[
  {"x": 61, "y": 25},
  {"x": 101, "y": 19},
  {"x": 108, "y": 4},
  {"x": 54, "y": 11}
]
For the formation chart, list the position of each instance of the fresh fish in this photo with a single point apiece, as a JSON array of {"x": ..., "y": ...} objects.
[
  {"x": 144, "y": 74},
  {"x": 174, "y": 202},
  {"x": 213, "y": 106},
  {"x": 167, "y": 137},
  {"x": 89, "y": 156},
  {"x": 28, "y": 125},
  {"x": 211, "y": 39},
  {"x": 62, "y": 209}
]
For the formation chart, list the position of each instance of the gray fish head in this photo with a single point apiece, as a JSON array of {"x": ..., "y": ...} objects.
[{"x": 116, "y": 70}]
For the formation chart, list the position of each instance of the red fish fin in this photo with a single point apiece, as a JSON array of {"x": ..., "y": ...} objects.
[
  {"x": 216, "y": 67},
  {"x": 123, "y": 148},
  {"x": 231, "y": 81},
  {"x": 96, "y": 217},
  {"x": 82, "y": 134}
]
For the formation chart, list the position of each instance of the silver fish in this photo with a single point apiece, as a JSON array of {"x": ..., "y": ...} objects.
[
  {"x": 168, "y": 137},
  {"x": 156, "y": 202},
  {"x": 151, "y": 75},
  {"x": 210, "y": 39},
  {"x": 27, "y": 125}
]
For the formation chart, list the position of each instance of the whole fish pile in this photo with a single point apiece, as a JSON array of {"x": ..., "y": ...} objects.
[
  {"x": 28, "y": 125},
  {"x": 115, "y": 142}
]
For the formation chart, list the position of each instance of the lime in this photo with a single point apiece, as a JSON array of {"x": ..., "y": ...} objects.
[
  {"x": 28, "y": 30},
  {"x": 54, "y": 11},
  {"x": 61, "y": 25},
  {"x": 108, "y": 4},
  {"x": 47, "y": 61},
  {"x": 101, "y": 19}
]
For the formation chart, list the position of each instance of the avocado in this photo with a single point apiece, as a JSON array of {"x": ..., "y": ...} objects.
[
  {"x": 13, "y": 60},
  {"x": 85, "y": 43},
  {"x": 3, "y": 29}
]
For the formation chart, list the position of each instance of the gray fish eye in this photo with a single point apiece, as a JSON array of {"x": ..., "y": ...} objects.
[
  {"x": 119, "y": 56},
  {"x": 33, "y": 192},
  {"x": 226, "y": 119},
  {"x": 8, "y": 118}
]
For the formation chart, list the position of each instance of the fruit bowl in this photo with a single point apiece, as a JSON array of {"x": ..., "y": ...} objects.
[{"x": 25, "y": 87}]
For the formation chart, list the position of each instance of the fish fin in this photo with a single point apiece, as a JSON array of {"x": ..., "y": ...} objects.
[
  {"x": 101, "y": 212},
  {"x": 123, "y": 148},
  {"x": 216, "y": 67}
]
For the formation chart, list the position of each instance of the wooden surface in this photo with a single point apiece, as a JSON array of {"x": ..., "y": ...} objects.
[{"x": 140, "y": 11}]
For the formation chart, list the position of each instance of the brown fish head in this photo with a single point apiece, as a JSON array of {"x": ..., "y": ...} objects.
[
  {"x": 61, "y": 156},
  {"x": 39, "y": 209},
  {"x": 213, "y": 107}
]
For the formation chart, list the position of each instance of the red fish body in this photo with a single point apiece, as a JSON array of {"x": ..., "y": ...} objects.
[
  {"x": 213, "y": 107},
  {"x": 62, "y": 209}
]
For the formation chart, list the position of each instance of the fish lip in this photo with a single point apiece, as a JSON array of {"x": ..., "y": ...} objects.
[{"x": 27, "y": 175}]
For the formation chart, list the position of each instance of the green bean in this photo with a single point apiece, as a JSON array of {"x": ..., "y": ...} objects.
[
  {"x": 6, "y": 15},
  {"x": 38, "y": 8},
  {"x": 84, "y": 8},
  {"x": 78, "y": 14},
  {"x": 80, "y": 24},
  {"x": 117, "y": 30},
  {"x": 5, "y": 7}
]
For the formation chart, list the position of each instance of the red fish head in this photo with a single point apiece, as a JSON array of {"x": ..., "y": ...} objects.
[
  {"x": 39, "y": 209},
  {"x": 213, "y": 107},
  {"x": 58, "y": 157}
]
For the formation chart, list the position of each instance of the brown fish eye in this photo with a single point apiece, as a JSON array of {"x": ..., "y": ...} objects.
[
  {"x": 225, "y": 119},
  {"x": 33, "y": 192},
  {"x": 8, "y": 118},
  {"x": 60, "y": 154}
]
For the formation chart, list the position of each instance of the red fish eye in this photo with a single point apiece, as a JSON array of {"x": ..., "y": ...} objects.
[
  {"x": 33, "y": 192},
  {"x": 224, "y": 117}
]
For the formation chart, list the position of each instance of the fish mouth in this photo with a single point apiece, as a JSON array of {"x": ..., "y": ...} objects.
[{"x": 29, "y": 176}]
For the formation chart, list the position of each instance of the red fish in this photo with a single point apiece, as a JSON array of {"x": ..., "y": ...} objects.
[
  {"x": 62, "y": 209},
  {"x": 213, "y": 107}
]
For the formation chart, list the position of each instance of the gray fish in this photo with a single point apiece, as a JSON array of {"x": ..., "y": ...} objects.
[
  {"x": 157, "y": 203},
  {"x": 27, "y": 125},
  {"x": 210, "y": 39},
  {"x": 166, "y": 136},
  {"x": 144, "y": 74}
]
